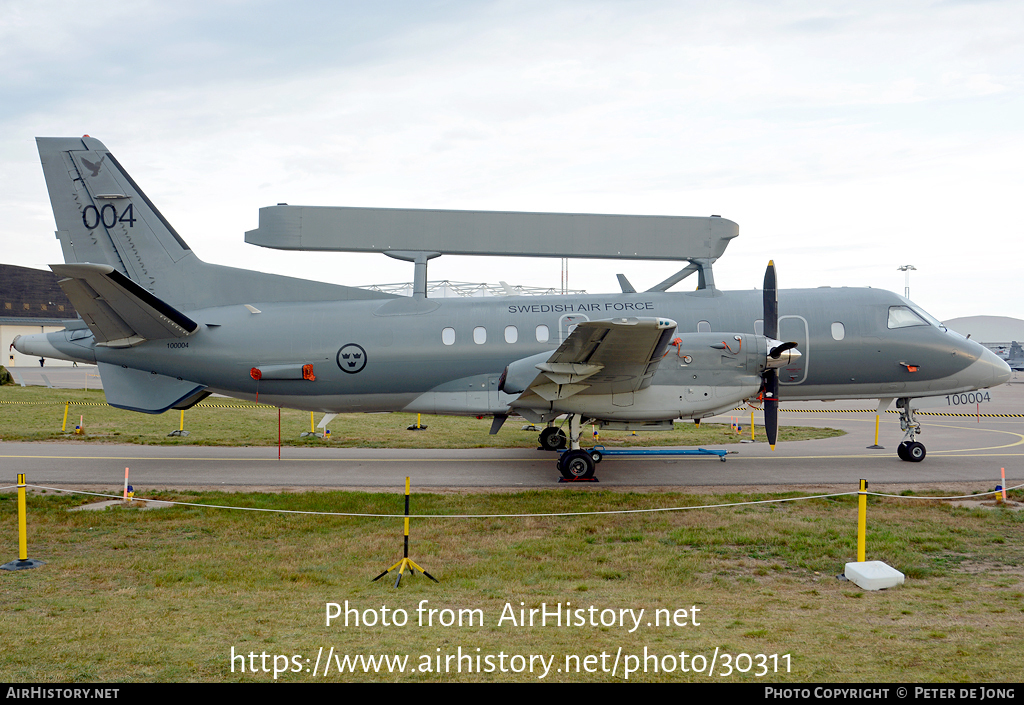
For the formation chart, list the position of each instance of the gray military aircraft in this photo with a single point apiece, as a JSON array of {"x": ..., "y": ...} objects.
[
  {"x": 166, "y": 329},
  {"x": 1015, "y": 357}
]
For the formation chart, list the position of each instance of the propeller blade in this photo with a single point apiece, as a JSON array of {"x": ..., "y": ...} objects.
[
  {"x": 770, "y": 329},
  {"x": 771, "y": 407},
  {"x": 771, "y": 303}
]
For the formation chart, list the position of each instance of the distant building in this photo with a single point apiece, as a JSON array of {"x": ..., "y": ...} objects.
[
  {"x": 31, "y": 301},
  {"x": 996, "y": 333}
]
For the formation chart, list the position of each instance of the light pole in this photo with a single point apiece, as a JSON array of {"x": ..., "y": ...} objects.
[{"x": 907, "y": 268}]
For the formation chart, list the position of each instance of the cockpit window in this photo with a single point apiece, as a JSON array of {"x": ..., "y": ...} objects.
[
  {"x": 904, "y": 317},
  {"x": 928, "y": 317}
]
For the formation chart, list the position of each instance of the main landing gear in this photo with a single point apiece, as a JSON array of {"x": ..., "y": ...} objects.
[
  {"x": 578, "y": 464},
  {"x": 552, "y": 438},
  {"x": 909, "y": 450},
  {"x": 575, "y": 463}
]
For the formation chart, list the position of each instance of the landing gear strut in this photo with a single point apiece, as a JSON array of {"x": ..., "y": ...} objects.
[
  {"x": 576, "y": 463},
  {"x": 909, "y": 450}
]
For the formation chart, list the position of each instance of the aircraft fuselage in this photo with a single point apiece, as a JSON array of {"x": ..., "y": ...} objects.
[{"x": 446, "y": 355}]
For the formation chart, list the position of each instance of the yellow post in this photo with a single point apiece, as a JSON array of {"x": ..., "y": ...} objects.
[
  {"x": 876, "y": 429},
  {"x": 22, "y": 520},
  {"x": 312, "y": 428},
  {"x": 64, "y": 426},
  {"x": 751, "y": 425},
  {"x": 862, "y": 521},
  {"x": 406, "y": 517},
  {"x": 23, "y": 562},
  {"x": 181, "y": 424}
]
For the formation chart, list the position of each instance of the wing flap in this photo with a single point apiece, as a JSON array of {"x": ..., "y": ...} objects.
[{"x": 615, "y": 356}]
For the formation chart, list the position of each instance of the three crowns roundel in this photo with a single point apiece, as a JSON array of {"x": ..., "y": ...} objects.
[{"x": 351, "y": 358}]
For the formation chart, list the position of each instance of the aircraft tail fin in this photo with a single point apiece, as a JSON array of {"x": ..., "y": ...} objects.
[{"x": 103, "y": 217}]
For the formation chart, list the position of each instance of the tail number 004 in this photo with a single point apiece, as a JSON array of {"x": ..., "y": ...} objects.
[{"x": 107, "y": 215}]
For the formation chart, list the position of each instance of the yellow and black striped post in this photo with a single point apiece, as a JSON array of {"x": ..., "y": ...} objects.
[
  {"x": 406, "y": 562},
  {"x": 23, "y": 561}
]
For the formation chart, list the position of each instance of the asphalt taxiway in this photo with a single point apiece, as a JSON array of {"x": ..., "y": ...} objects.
[{"x": 966, "y": 444}]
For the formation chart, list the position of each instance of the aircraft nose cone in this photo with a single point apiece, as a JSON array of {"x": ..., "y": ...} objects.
[
  {"x": 990, "y": 370},
  {"x": 999, "y": 371}
]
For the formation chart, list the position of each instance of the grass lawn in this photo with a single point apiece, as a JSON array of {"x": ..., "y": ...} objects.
[
  {"x": 37, "y": 414},
  {"x": 165, "y": 595}
]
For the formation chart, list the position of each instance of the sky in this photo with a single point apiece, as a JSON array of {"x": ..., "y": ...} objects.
[{"x": 845, "y": 138}]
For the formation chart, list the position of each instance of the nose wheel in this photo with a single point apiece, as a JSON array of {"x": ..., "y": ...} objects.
[{"x": 910, "y": 449}]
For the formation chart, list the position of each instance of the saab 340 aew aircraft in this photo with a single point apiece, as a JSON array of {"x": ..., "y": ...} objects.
[{"x": 166, "y": 329}]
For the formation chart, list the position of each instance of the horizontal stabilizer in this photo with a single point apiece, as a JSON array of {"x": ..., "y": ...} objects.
[
  {"x": 119, "y": 312},
  {"x": 138, "y": 390}
]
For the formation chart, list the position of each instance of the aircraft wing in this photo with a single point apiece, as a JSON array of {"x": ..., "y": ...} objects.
[
  {"x": 119, "y": 312},
  {"x": 614, "y": 356}
]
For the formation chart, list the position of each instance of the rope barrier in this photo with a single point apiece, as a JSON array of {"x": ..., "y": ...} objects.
[{"x": 511, "y": 516}]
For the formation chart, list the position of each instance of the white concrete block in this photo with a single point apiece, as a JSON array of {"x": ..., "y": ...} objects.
[{"x": 873, "y": 575}]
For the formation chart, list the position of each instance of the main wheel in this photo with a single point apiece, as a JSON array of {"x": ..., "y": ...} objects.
[
  {"x": 915, "y": 452},
  {"x": 576, "y": 464},
  {"x": 552, "y": 438}
]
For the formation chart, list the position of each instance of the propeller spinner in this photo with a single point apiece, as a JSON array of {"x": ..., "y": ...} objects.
[{"x": 779, "y": 354}]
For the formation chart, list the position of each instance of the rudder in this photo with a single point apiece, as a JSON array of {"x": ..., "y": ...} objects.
[{"x": 102, "y": 216}]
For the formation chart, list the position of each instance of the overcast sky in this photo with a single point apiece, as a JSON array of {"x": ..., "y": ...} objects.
[{"x": 845, "y": 138}]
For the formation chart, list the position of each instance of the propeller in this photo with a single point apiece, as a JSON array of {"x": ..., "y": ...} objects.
[{"x": 779, "y": 354}]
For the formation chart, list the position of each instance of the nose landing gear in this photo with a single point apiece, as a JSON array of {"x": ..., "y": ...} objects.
[{"x": 909, "y": 450}]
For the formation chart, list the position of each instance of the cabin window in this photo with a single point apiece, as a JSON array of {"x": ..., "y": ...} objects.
[
  {"x": 511, "y": 334},
  {"x": 448, "y": 336},
  {"x": 903, "y": 317},
  {"x": 543, "y": 334},
  {"x": 703, "y": 327},
  {"x": 838, "y": 331},
  {"x": 479, "y": 335}
]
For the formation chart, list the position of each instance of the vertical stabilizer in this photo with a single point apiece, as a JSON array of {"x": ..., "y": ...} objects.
[{"x": 103, "y": 217}]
